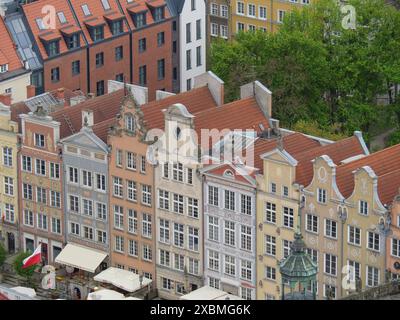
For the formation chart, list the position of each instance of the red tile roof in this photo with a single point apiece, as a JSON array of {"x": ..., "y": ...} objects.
[
  {"x": 101, "y": 129},
  {"x": 97, "y": 16},
  {"x": 195, "y": 100},
  {"x": 219, "y": 171},
  {"x": 8, "y": 52},
  {"x": 294, "y": 144},
  {"x": 388, "y": 186},
  {"x": 382, "y": 163},
  {"x": 337, "y": 151},
  {"x": 104, "y": 108},
  {"x": 140, "y": 6},
  {"x": 33, "y": 11}
]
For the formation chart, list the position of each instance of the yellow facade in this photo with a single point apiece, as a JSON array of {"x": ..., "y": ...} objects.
[
  {"x": 263, "y": 15},
  {"x": 279, "y": 169},
  {"x": 8, "y": 180}
]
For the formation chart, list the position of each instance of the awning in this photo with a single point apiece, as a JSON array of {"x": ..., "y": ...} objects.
[
  {"x": 122, "y": 279},
  {"x": 105, "y": 294},
  {"x": 80, "y": 257},
  {"x": 49, "y": 36},
  {"x": 209, "y": 293},
  {"x": 94, "y": 22},
  {"x": 26, "y": 291}
]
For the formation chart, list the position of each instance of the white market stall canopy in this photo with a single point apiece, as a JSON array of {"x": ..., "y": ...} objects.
[
  {"x": 105, "y": 294},
  {"x": 122, "y": 279},
  {"x": 26, "y": 291},
  {"x": 80, "y": 257},
  {"x": 209, "y": 293}
]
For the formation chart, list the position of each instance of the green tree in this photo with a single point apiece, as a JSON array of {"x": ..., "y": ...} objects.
[
  {"x": 394, "y": 138},
  {"x": 3, "y": 255},
  {"x": 18, "y": 263}
]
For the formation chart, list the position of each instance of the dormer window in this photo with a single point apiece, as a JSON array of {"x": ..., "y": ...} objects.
[
  {"x": 140, "y": 20},
  {"x": 158, "y": 14},
  {"x": 40, "y": 24},
  {"x": 228, "y": 173},
  {"x": 61, "y": 17},
  {"x": 105, "y": 4},
  {"x": 97, "y": 33},
  {"x": 73, "y": 41},
  {"x": 117, "y": 27},
  {"x": 53, "y": 48},
  {"x": 86, "y": 10},
  {"x": 4, "y": 68}
]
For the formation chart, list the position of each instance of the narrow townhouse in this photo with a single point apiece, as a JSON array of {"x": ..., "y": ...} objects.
[
  {"x": 179, "y": 187},
  {"x": 367, "y": 187},
  {"x": 287, "y": 169},
  {"x": 9, "y": 224},
  {"x": 218, "y": 20},
  {"x": 40, "y": 184},
  {"x": 189, "y": 25},
  {"x": 15, "y": 75},
  {"x": 133, "y": 224}
]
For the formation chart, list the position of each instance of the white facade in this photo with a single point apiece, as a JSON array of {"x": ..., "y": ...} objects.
[
  {"x": 229, "y": 233},
  {"x": 16, "y": 86},
  {"x": 192, "y": 12}
]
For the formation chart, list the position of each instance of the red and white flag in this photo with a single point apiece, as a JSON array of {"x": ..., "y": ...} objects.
[{"x": 34, "y": 258}]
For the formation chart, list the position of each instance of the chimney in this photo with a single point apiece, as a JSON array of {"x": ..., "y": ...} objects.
[
  {"x": 214, "y": 84},
  {"x": 87, "y": 118},
  {"x": 30, "y": 91},
  {"x": 60, "y": 93},
  {"x": 262, "y": 95},
  {"x": 5, "y": 99}
]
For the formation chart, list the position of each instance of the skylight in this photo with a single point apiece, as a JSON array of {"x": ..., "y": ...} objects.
[
  {"x": 105, "y": 4},
  {"x": 85, "y": 10},
  {"x": 61, "y": 17},
  {"x": 40, "y": 24}
]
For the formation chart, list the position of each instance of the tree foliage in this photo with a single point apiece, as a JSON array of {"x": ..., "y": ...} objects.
[
  {"x": 319, "y": 70},
  {"x": 3, "y": 254},
  {"x": 27, "y": 272}
]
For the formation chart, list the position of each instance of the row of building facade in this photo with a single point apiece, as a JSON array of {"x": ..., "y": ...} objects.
[{"x": 145, "y": 183}]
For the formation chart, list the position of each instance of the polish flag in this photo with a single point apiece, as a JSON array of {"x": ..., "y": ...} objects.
[{"x": 34, "y": 258}]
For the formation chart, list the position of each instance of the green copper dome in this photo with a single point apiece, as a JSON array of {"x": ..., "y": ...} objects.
[{"x": 298, "y": 266}]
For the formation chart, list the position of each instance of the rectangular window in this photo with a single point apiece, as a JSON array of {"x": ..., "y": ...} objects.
[
  {"x": 214, "y": 9},
  {"x": 213, "y": 195},
  {"x": 164, "y": 258},
  {"x": 272, "y": 187},
  {"x": 146, "y": 225},
  {"x": 147, "y": 253},
  {"x": 312, "y": 223},
  {"x": 286, "y": 247},
  {"x": 193, "y": 266},
  {"x": 27, "y": 191},
  {"x": 118, "y": 187},
  {"x": 142, "y": 45},
  {"x": 26, "y": 163},
  {"x": 142, "y": 164},
  {"x": 164, "y": 231},
  {"x": 313, "y": 254},
  {"x": 330, "y": 228},
  {"x": 245, "y": 204},
  {"x": 7, "y": 156},
  {"x": 230, "y": 200},
  {"x": 42, "y": 221},
  {"x": 179, "y": 262},
  {"x": 245, "y": 238},
  {"x": 395, "y": 247},
  {"x": 131, "y": 190},
  {"x": 101, "y": 211},
  {"x": 198, "y": 56},
  {"x": 270, "y": 245},
  {"x": 142, "y": 75},
  {"x": 178, "y": 203},
  {"x": 28, "y": 218},
  {"x": 213, "y": 260},
  {"x": 372, "y": 276},
  {"x": 160, "y": 39},
  {"x": 321, "y": 195},
  {"x": 133, "y": 249},
  {"x": 75, "y": 228},
  {"x": 9, "y": 212},
  {"x": 55, "y": 199},
  {"x": 54, "y": 170},
  {"x": 189, "y": 176},
  {"x": 100, "y": 182},
  {"x": 99, "y": 59},
  {"x": 262, "y": 13},
  {"x": 178, "y": 235},
  {"x": 188, "y": 33},
  {"x": 118, "y": 157},
  {"x": 73, "y": 175},
  {"x": 373, "y": 241},
  {"x": 188, "y": 59},
  {"x": 119, "y": 53},
  {"x": 40, "y": 167},
  {"x": 55, "y": 74},
  {"x": 213, "y": 228},
  {"x": 214, "y": 29},
  {"x": 100, "y": 88},
  {"x": 251, "y": 10},
  {"x": 74, "y": 204},
  {"x": 131, "y": 160},
  {"x": 193, "y": 239},
  {"x": 363, "y": 207},
  {"x": 9, "y": 186},
  {"x": 102, "y": 236},
  {"x": 281, "y": 15},
  {"x": 118, "y": 217},
  {"x": 163, "y": 199},
  {"x": 87, "y": 178},
  {"x": 177, "y": 172},
  {"x": 230, "y": 265},
  {"x": 132, "y": 221},
  {"x": 198, "y": 29},
  {"x": 87, "y": 206},
  {"x": 240, "y": 7},
  {"x": 270, "y": 212},
  {"x": 88, "y": 232},
  {"x": 161, "y": 69},
  {"x": 229, "y": 233},
  {"x": 76, "y": 67},
  {"x": 224, "y": 11},
  {"x": 146, "y": 194},
  {"x": 270, "y": 273},
  {"x": 288, "y": 217},
  {"x": 119, "y": 244},
  {"x": 41, "y": 195},
  {"x": 330, "y": 264},
  {"x": 193, "y": 207},
  {"x": 246, "y": 270}
]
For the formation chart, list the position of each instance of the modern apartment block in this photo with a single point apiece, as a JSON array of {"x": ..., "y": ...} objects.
[
  {"x": 189, "y": 25},
  {"x": 287, "y": 170},
  {"x": 265, "y": 15},
  {"x": 9, "y": 224},
  {"x": 90, "y": 42},
  {"x": 15, "y": 75}
]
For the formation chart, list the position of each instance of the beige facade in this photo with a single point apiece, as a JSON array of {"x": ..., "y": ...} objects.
[
  {"x": 8, "y": 180},
  {"x": 16, "y": 86}
]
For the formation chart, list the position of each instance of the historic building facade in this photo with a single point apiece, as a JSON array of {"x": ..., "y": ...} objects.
[
  {"x": 9, "y": 224},
  {"x": 40, "y": 185}
]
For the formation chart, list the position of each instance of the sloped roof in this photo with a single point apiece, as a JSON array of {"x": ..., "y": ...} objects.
[
  {"x": 384, "y": 163},
  {"x": 388, "y": 186},
  {"x": 8, "y": 51},
  {"x": 104, "y": 107},
  {"x": 337, "y": 151}
]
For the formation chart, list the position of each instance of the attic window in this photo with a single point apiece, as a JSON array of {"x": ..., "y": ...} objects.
[
  {"x": 105, "y": 4},
  {"x": 53, "y": 48},
  {"x": 129, "y": 123},
  {"x": 4, "y": 68},
  {"x": 158, "y": 14},
  {"x": 228, "y": 173},
  {"x": 61, "y": 17},
  {"x": 86, "y": 10},
  {"x": 40, "y": 24}
]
